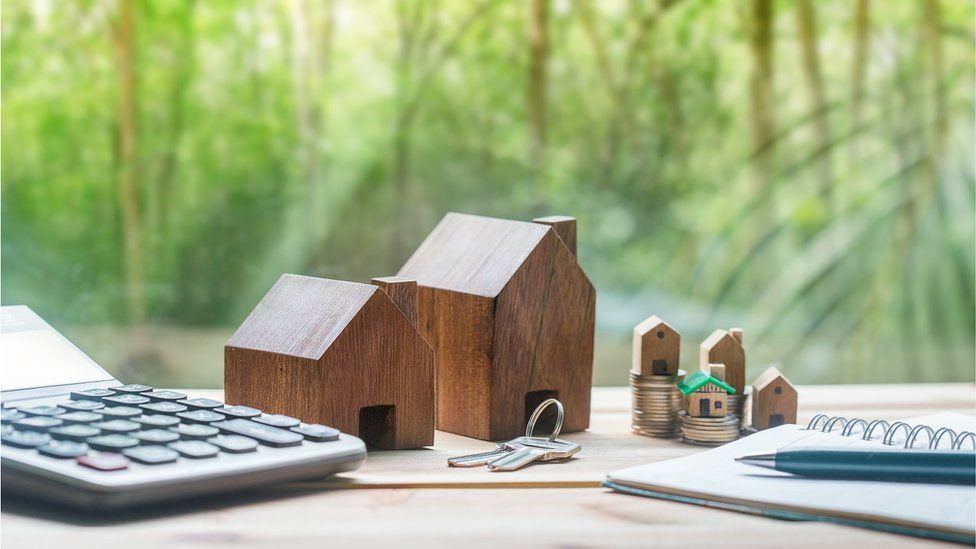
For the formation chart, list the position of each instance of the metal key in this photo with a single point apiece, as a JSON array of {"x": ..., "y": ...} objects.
[
  {"x": 483, "y": 458},
  {"x": 523, "y": 450},
  {"x": 535, "y": 450}
]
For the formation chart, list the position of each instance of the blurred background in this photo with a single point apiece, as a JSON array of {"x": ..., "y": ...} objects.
[{"x": 802, "y": 169}]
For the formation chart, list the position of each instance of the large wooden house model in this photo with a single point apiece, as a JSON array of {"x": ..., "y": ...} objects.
[
  {"x": 343, "y": 354},
  {"x": 510, "y": 315}
]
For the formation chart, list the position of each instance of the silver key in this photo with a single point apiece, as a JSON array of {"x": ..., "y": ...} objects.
[
  {"x": 477, "y": 460},
  {"x": 534, "y": 449}
]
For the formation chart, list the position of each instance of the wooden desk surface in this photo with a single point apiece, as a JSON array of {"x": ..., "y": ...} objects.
[{"x": 413, "y": 498}]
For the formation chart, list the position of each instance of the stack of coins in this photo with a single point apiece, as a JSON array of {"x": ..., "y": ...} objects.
[
  {"x": 737, "y": 405},
  {"x": 655, "y": 405},
  {"x": 709, "y": 431}
]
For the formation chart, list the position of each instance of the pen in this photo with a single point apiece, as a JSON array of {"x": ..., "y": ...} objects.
[{"x": 937, "y": 467}]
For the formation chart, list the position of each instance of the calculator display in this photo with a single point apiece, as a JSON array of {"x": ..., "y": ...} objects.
[{"x": 33, "y": 354}]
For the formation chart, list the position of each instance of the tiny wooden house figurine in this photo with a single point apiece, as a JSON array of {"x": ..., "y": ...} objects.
[
  {"x": 705, "y": 395},
  {"x": 774, "y": 400},
  {"x": 510, "y": 314},
  {"x": 339, "y": 353},
  {"x": 725, "y": 347},
  {"x": 657, "y": 348}
]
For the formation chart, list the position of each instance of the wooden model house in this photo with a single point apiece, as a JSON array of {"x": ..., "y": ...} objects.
[
  {"x": 657, "y": 348},
  {"x": 339, "y": 353},
  {"x": 725, "y": 347},
  {"x": 774, "y": 400},
  {"x": 705, "y": 395},
  {"x": 510, "y": 315}
]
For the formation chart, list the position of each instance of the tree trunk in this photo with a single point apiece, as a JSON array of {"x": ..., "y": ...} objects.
[
  {"x": 761, "y": 99},
  {"x": 123, "y": 38},
  {"x": 862, "y": 21},
  {"x": 806, "y": 22},
  {"x": 536, "y": 89}
]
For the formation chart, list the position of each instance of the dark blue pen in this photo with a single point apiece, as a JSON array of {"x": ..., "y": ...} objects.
[{"x": 936, "y": 467}]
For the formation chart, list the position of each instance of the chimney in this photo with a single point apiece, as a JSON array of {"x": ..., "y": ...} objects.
[
  {"x": 717, "y": 371},
  {"x": 564, "y": 226},
  {"x": 403, "y": 292},
  {"x": 737, "y": 334}
]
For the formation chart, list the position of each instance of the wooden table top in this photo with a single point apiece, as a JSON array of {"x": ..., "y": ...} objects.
[{"x": 413, "y": 498}]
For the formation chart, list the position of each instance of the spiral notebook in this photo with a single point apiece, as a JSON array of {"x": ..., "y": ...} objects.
[{"x": 714, "y": 479}]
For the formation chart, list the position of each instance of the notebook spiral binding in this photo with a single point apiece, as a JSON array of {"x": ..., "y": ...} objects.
[{"x": 826, "y": 424}]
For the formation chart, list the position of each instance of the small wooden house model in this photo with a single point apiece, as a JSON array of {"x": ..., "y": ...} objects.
[
  {"x": 657, "y": 348},
  {"x": 510, "y": 314},
  {"x": 774, "y": 400},
  {"x": 725, "y": 347},
  {"x": 705, "y": 396},
  {"x": 339, "y": 353}
]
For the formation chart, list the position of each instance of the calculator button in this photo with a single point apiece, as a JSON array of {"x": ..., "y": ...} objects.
[
  {"x": 234, "y": 444},
  {"x": 195, "y": 449},
  {"x": 37, "y": 423},
  {"x": 156, "y": 421},
  {"x": 151, "y": 455},
  {"x": 64, "y": 449},
  {"x": 277, "y": 420},
  {"x": 46, "y": 410},
  {"x": 120, "y": 412},
  {"x": 265, "y": 434},
  {"x": 239, "y": 411},
  {"x": 202, "y": 403},
  {"x": 164, "y": 407},
  {"x": 164, "y": 395},
  {"x": 77, "y": 433},
  {"x": 155, "y": 436},
  {"x": 26, "y": 439},
  {"x": 194, "y": 431},
  {"x": 132, "y": 388},
  {"x": 200, "y": 416},
  {"x": 81, "y": 405},
  {"x": 10, "y": 414},
  {"x": 104, "y": 461},
  {"x": 316, "y": 432},
  {"x": 112, "y": 443},
  {"x": 80, "y": 417},
  {"x": 125, "y": 400},
  {"x": 91, "y": 394},
  {"x": 120, "y": 426}
]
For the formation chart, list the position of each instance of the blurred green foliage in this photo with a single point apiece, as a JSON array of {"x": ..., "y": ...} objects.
[{"x": 802, "y": 169}]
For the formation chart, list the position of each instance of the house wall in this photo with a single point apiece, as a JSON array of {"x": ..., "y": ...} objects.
[
  {"x": 459, "y": 327},
  {"x": 544, "y": 329}
]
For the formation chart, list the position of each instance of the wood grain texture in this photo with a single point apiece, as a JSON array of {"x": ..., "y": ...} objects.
[
  {"x": 707, "y": 404},
  {"x": 564, "y": 226},
  {"x": 656, "y": 348},
  {"x": 409, "y": 497},
  {"x": 774, "y": 400},
  {"x": 721, "y": 347},
  {"x": 510, "y": 314},
  {"x": 403, "y": 292},
  {"x": 372, "y": 356}
]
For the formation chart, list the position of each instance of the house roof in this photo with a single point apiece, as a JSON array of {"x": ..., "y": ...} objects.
[
  {"x": 716, "y": 337},
  {"x": 767, "y": 377},
  {"x": 302, "y": 316},
  {"x": 651, "y": 324},
  {"x": 473, "y": 254},
  {"x": 698, "y": 380}
]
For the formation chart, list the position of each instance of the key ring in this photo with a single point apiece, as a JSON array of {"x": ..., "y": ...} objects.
[{"x": 538, "y": 411}]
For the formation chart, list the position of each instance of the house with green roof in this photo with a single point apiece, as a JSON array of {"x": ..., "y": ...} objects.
[{"x": 705, "y": 395}]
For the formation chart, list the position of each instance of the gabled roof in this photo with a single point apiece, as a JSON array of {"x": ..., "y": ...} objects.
[
  {"x": 473, "y": 254},
  {"x": 767, "y": 377},
  {"x": 698, "y": 380},
  {"x": 651, "y": 324},
  {"x": 716, "y": 337},
  {"x": 302, "y": 316}
]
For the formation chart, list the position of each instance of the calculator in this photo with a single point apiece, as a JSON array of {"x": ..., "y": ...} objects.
[{"x": 74, "y": 435}]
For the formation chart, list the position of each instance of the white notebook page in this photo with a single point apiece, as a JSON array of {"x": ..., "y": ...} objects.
[{"x": 715, "y": 475}]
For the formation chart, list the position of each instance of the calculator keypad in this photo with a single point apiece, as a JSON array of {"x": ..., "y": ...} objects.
[{"x": 109, "y": 429}]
